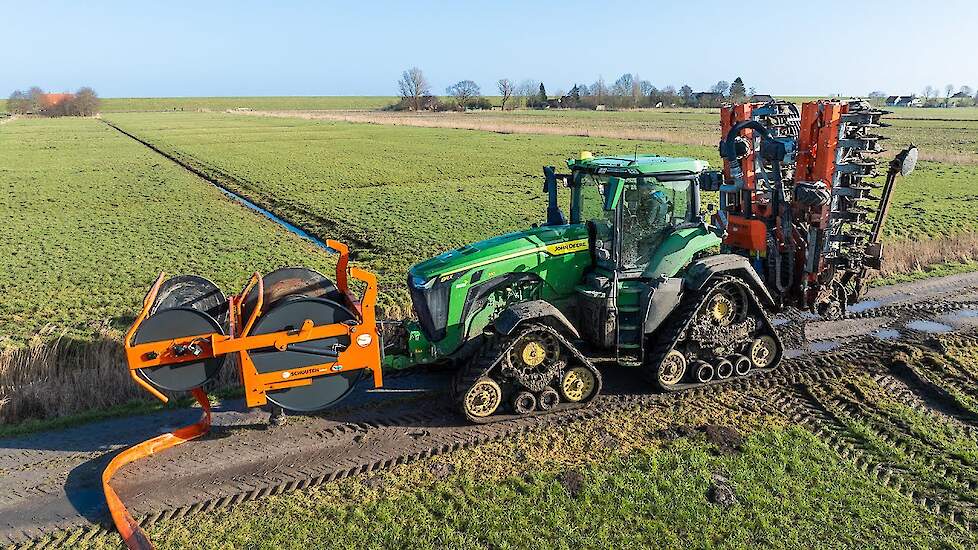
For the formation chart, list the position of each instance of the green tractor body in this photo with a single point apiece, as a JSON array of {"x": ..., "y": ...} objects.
[{"x": 634, "y": 227}]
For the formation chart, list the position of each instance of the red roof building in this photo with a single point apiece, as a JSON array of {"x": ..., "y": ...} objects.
[{"x": 53, "y": 100}]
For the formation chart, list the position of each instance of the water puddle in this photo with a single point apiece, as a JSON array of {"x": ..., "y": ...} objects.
[
  {"x": 928, "y": 326},
  {"x": 824, "y": 345},
  {"x": 863, "y": 306},
  {"x": 966, "y": 313},
  {"x": 286, "y": 225},
  {"x": 779, "y": 321},
  {"x": 887, "y": 334},
  {"x": 791, "y": 353}
]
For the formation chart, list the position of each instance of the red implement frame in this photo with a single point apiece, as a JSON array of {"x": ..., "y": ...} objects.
[{"x": 363, "y": 353}]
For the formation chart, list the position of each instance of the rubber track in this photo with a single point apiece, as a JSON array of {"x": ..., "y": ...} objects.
[
  {"x": 680, "y": 319},
  {"x": 489, "y": 356}
]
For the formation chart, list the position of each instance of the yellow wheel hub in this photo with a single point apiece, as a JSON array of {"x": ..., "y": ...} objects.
[
  {"x": 483, "y": 398},
  {"x": 577, "y": 384},
  {"x": 763, "y": 350},
  {"x": 722, "y": 309},
  {"x": 533, "y": 354},
  {"x": 673, "y": 368}
]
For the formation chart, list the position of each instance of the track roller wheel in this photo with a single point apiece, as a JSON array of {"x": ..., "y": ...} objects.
[
  {"x": 548, "y": 399},
  {"x": 577, "y": 384},
  {"x": 741, "y": 364},
  {"x": 672, "y": 370},
  {"x": 764, "y": 351},
  {"x": 523, "y": 402},
  {"x": 704, "y": 371},
  {"x": 483, "y": 398},
  {"x": 724, "y": 369}
]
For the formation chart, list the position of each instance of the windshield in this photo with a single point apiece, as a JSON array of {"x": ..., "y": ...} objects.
[{"x": 648, "y": 211}]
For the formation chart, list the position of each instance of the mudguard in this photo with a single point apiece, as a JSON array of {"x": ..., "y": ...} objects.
[
  {"x": 702, "y": 271},
  {"x": 538, "y": 310},
  {"x": 659, "y": 300}
]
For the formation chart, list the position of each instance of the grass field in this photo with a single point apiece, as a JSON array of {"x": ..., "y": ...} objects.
[
  {"x": 123, "y": 104},
  {"x": 943, "y": 135},
  {"x": 397, "y": 195},
  {"x": 112, "y": 105},
  {"x": 92, "y": 216}
]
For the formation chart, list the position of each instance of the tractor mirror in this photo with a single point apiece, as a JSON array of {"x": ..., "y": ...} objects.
[
  {"x": 612, "y": 193},
  {"x": 710, "y": 180}
]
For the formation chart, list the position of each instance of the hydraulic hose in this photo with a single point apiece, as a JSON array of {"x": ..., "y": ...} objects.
[{"x": 127, "y": 526}]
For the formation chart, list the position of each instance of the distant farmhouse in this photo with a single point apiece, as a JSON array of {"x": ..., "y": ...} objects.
[
  {"x": 707, "y": 98},
  {"x": 959, "y": 99},
  {"x": 904, "y": 101}
]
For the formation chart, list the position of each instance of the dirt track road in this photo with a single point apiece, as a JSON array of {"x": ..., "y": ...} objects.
[{"x": 50, "y": 482}]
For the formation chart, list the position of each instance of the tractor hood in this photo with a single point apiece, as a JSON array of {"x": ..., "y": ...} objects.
[{"x": 553, "y": 240}]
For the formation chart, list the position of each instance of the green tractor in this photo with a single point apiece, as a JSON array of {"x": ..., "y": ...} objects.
[{"x": 632, "y": 276}]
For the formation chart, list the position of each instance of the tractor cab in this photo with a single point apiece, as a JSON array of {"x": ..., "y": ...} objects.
[
  {"x": 644, "y": 226},
  {"x": 633, "y": 206}
]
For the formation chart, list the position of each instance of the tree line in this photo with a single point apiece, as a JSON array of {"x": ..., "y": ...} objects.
[
  {"x": 84, "y": 102},
  {"x": 627, "y": 92}
]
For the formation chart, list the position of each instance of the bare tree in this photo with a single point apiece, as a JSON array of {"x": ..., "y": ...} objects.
[
  {"x": 35, "y": 94},
  {"x": 599, "y": 90},
  {"x": 721, "y": 88},
  {"x": 966, "y": 90},
  {"x": 506, "y": 88},
  {"x": 646, "y": 87},
  {"x": 414, "y": 87},
  {"x": 85, "y": 102},
  {"x": 622, "y": 89},
  {"x": 948, "y": 91},
  {"x": 463, "y": 91},
  {"x": 526, "y": 90},
  {"x": 19, "y": 103}
]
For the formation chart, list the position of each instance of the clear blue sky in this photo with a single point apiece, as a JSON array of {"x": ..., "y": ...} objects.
[{"x": 359, "y": 47}]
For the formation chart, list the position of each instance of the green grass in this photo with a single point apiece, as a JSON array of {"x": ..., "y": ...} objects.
[{"x": 91, "y": 217}]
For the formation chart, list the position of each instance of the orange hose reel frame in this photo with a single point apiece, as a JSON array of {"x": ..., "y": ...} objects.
[{"x": 363, "y": 353}]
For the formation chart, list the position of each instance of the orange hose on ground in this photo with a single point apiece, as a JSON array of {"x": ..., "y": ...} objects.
[{"x": 131, "y": 533}]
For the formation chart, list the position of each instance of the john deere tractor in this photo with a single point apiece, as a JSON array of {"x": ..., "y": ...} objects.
[{"x": 632, "y": 274}]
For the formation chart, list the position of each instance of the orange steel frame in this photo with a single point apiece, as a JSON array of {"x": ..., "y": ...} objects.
[{"x": 240, "y": 341}]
